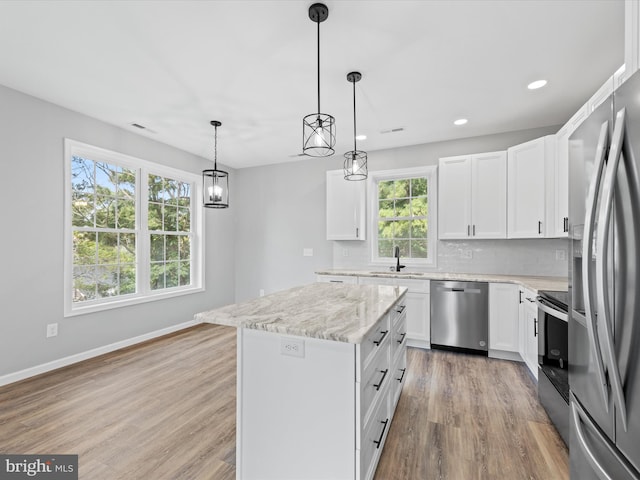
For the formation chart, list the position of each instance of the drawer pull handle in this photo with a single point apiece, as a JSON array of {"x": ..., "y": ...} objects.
[
  {"x": 336, "y": 281},
  {"x": 401, "y": 338},
  {"x": 379, "y": 441},
  {"x": 379, "y": 341},
  {"x": 401, "y": 308},
  {"x": 403, "y": 370},
  {"x": 384, "y": 374}
]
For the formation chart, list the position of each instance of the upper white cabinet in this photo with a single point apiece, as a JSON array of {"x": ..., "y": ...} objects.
[
  {"x": 530, "y": 169},
  {"x": 632, "y": 35},
  {"x": 560, "y": 224},
  {"x": 472, "y": 195},
  {"x": 346, "y": 207}
]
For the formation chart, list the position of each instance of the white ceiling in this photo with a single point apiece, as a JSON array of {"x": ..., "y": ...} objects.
[{"x": 175, "y": 65}]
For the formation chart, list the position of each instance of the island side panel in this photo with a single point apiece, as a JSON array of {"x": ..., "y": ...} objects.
[{"x": 296, "y": 415}]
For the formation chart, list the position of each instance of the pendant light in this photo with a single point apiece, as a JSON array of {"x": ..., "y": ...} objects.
[
  {"x": 318, "y": 129},
  {"x": 215, "y": 183},
  {"x": 355, "y": 161}
]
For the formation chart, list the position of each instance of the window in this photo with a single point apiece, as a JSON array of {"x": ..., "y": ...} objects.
[
  {"x": 132, "y": 230},
  {"x": 403, "y": 215}
]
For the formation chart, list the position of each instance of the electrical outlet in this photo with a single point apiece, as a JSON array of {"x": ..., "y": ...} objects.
[
  {"x": 52, "y": 330},
  {"x": 293, "y": 347},
  {"x": 561, "y": 254},
  {"x": 262, "y": 292},
  {"x": 345, "y": 252},
  {"x": 466, "y": 254},
  {"x": 307, "y": 252}
]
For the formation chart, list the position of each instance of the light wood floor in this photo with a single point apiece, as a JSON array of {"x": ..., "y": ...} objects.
[{"x": 165, "y": 409}]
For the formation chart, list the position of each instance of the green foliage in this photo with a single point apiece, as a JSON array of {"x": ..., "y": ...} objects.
[
  {"x": 403, "y": 212},
  {"x": 104, "y": 198}
]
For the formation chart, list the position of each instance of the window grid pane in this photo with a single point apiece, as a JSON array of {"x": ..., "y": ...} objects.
[
  {"x": 402, "y": 217},
  {"x": 103, "y": 221},
  {"x": 170, "y": 220}
]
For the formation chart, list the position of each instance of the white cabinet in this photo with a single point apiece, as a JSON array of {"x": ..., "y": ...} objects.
[
  {"x": 632, "y": 36},
  {"x": 472, "y": 195},
  {"x": 528, "y": 337},
  {"x": 418, "y": 307},
  {"x": 529, "y": 201},
  {"x": 560, "y": 224},
  {"x": 337, "y": 279},
  {"x": 503, "y": 320},
  {"x": 346, "y": 208}
]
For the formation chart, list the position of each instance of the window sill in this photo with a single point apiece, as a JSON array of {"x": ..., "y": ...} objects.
[{"x": 74, "y": 311}]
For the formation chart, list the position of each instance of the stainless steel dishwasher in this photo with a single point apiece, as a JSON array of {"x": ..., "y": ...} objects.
[{"x": 460, "y": 315}]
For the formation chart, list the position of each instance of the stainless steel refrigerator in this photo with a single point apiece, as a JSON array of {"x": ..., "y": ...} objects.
[{"x": 604, "y": 290}]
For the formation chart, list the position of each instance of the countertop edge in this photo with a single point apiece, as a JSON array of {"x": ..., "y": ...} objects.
[{"x": 532, "y": 282}]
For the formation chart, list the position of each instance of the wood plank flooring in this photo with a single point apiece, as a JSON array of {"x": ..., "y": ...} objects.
[{"x": 165, "y": 409}]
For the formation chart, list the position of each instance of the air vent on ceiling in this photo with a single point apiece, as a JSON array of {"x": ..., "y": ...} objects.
[
  {"x": 393, "y": 130},
  {"x": 142, "y": 127}
]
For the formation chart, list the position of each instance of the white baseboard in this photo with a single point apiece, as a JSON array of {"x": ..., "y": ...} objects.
[
  {"x": 425, "y": 344},
  {"x": 504, "y": 355},
  {"x": 79, "y": 357}
]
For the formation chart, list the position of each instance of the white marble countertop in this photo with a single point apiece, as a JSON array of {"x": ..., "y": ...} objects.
[
  {"x": 340, "y": 312},
  {"x": 531, "y": 282}
]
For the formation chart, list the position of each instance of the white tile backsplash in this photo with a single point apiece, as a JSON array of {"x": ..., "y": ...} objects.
[{"x": 507, "y": 257}]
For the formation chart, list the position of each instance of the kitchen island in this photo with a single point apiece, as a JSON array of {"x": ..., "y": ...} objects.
[{"x": 320, "y": 371}]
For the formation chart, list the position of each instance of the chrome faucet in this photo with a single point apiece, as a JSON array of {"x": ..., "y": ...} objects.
[{"x": 396, "y": 253}]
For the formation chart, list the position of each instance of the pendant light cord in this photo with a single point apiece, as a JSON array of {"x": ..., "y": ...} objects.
[
  {"x": 318, "y": 22},
  {"x": 354, "y": 118},
  {"x": 215, "y": 148}
]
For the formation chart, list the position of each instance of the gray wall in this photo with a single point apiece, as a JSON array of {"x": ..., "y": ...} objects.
[
  {"x": 281, "y": 210},
  {"x": 31, "y": 279}
]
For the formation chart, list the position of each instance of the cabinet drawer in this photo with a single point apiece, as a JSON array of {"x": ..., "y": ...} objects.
[
  {"x": 415, "y": 286},
  {"x": 376, "y": 379},
  {"x": 398, "y": 336},
  {"x": 373, "y": 438},
  {"x": 376, "y": 281},
  {"x": 399, "y": 371},
  {"x": 337, "y": 279},
  {"x": 398, "y": 310},
  {"x": 373, "y": 342}
]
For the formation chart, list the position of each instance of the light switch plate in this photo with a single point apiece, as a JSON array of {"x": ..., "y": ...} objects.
[{"x": 307, "y": 252}]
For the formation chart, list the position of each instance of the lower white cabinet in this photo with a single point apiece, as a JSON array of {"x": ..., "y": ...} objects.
[
  {"x": 528, "y": 337},
  {"x": 418, "y": 307},
  {"x": 503, "y": 321},
  {"x": 300, "y": 417},
  {"x": 337, "y": 279}
]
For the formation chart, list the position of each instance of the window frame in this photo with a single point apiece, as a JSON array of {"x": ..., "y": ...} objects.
[
  {"x": 143, "y": 168},
  {"x": 430, "y": 172}
]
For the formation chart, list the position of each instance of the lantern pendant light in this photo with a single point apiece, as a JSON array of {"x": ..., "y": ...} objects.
[
  {"x": 215, "y": 183},
  {"x": 318, "y": 129},
  {"x": 355, "y": 162}
]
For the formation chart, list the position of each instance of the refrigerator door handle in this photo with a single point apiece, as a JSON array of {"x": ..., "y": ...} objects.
[
  {"x": 589, "y": 223},
  {"x": 602, "y": 263},
  {"x": 579, "y": 419}
]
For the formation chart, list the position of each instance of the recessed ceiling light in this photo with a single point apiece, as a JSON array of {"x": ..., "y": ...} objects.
[
  {"x": 361, "y": 137},
  {"x": 460, "y": 121},
  {"x": 537, "y": 84}
]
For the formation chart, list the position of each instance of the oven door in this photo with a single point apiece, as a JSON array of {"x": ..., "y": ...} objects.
[{"x": 553, "y": 339}]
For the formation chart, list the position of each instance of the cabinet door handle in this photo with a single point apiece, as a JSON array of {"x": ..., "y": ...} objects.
[
  {"x": 379, "y": 341},
  {"x": 336, "y": 281},
  {"x": 384, "y": 374},
  {"x": 401, "y": 338},
  {"x": 535, "y": 327},
  {"x": 357, "y": 232},
  {"x": 539, "y": 227},
  {"x": 474, "y": 230},
  {"x": 468, "y": 230},
  {"x": 400, "y": 308},
  {"x": 379, "y": 441},
  {"x": 566, "y": 224},
  {"x": 404, "y": 370},
  {"x": 520, "y": 294}
]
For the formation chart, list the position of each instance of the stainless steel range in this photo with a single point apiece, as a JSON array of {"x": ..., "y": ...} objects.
[{"x": 553, "y": 356}]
